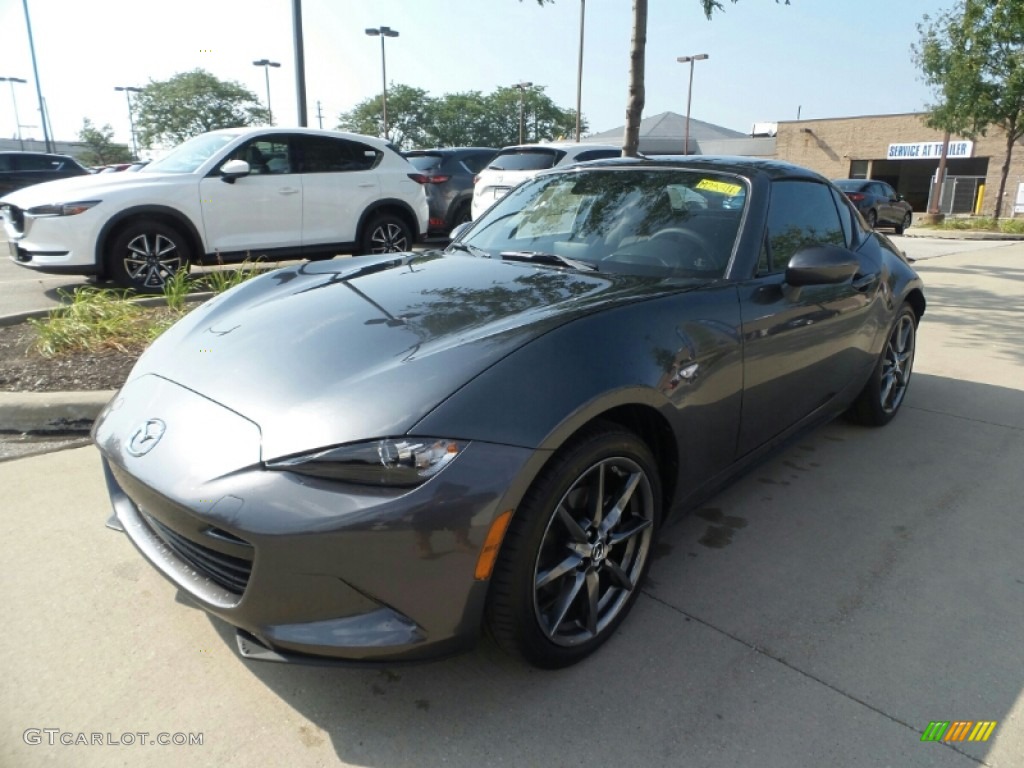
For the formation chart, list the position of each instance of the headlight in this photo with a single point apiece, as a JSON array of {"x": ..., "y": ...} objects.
[
  {"x": 401, "y": 462},
  {"x": 62, "y": 209}
]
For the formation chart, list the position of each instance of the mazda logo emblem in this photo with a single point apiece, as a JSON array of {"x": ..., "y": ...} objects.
[{"x": 145, "y": 438}]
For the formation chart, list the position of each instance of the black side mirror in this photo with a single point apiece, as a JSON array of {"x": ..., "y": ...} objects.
[{"x": 821, "y": 265}]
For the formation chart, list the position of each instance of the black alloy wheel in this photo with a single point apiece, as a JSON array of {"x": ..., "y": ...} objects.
[
  {"x": 883, "y": 395},
  {"x": 386, "y": 233},
  {"x": 577, "y": 549},
  {"x": 147, "y": 253}
]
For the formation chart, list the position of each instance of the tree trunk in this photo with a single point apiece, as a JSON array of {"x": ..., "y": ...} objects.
[
  {"x": 1011, "y": 137},
  {"x": 635, "y": 102}
]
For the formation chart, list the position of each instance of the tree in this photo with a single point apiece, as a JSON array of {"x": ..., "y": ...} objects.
[
  {"x": 637, "y": 52},
  {"x": 417, "y": 120},
  {"x": 406, "y": 114},
  {"x": 100, "y": 146},
  {"x": 974, "y": 57},
  {"x": 190, "y": 103}
]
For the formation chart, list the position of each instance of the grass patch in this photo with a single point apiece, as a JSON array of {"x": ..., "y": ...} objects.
[
  {"x": 981, "y": 223},
  {"x": 96, "y": 319}
]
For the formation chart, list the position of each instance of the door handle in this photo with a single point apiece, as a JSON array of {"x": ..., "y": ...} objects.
[
  {"x": 368, "y": 185},
  {"x": 287, "y": 191},
  {"x": 863, "y": 282}
]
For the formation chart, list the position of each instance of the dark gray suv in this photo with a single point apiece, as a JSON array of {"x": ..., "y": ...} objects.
[
  {"x": 22, "y": 169},
  {"x": 448, "y": 180}
]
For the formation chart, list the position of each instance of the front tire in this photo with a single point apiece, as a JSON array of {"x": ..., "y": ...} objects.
[
  {"x": 904, "y": 225},
  {"x": 386, "y": 233},
  {"x": 883, "y": 395},
  {"x": 577, "y": 549},
  {"x": 147, "y": 253}
]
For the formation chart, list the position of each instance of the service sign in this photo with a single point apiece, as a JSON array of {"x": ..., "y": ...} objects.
[{"x": 930, "y": 150}]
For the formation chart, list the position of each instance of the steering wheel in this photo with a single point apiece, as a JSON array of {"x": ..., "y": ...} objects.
[{"x": 698, "y": 256}]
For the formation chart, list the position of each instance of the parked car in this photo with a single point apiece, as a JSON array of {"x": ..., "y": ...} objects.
[
  {"x": 23, "y": 169},
  {"x": 448, "y": 178},
  {"x": 878, "y": 203},
  {"x": 225, "y": 195},
  {"x": 514, "y": 165},
  {"x": 426, "y": 443}
]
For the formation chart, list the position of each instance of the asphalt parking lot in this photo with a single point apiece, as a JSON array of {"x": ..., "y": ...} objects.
[{"x": 820, "y": 612}]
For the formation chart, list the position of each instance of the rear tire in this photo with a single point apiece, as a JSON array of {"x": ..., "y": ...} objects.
[
  {"x": 577, "y": 549},
  {"x": 145, "y": 254},
  {"x": 885, "y": 391},
  {"x": 904, "y": 225},
  {"x": 386, "y": 233}
]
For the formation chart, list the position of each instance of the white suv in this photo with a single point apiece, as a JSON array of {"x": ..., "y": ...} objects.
[
  {"x": 514, "y": 165},
  {"x": 222, "y": 196}
]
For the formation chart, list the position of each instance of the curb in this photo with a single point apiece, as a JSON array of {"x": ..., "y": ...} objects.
[
  {"x": 960, "y": 234},
  {"x": 51, "y": 411},
  {"x": 145, "y": 301}
]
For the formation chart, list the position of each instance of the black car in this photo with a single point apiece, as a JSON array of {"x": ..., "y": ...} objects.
[
  {"x": 22, "y": 169},
  {"x": 492, "y": 435},
  {"x": 878, "y": 203},
  {"x": 448, "y": 180}
]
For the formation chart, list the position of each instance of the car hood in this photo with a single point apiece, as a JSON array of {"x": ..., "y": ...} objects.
[
  {"x": 86, "y": 187},
  {"x": 351, "y": 349}
]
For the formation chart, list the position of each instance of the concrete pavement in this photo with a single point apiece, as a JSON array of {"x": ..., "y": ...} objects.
[{"x": 821, "y": 611}]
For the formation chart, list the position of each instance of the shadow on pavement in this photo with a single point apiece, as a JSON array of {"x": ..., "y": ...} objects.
[{"x": 866, "y": 583}]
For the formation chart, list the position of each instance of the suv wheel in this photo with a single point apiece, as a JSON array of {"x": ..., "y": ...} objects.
[
  {"x": 146, "y": 254},
  {"x": 386, "y": 233}
]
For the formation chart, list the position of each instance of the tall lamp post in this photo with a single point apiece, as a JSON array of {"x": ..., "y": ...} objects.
[
  {"x": 579, "y": 72},
  {"x": 521, "y": 87},
  {"x": 689, "y": 93},
  {"x": 14, "y": 101},
  {"x": 267, "y": 64},
  {"x": 383, "y": 32},
  {"x": 128, "y": 91}
]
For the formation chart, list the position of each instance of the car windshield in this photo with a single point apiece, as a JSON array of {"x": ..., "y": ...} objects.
[
  {"x": 657, "y": 222},
  {"x": 187, "y": 157},
  {"x": 526, "y": 160},
  {"x": 425, "y": 162}
]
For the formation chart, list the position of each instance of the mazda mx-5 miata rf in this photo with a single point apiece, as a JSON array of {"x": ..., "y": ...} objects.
[{"x": 374, "y": 458}]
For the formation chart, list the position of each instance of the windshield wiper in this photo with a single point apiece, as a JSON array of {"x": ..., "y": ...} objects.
[
  {"x": 544, "y": 257},
  {"x": 472, "y": 250}
]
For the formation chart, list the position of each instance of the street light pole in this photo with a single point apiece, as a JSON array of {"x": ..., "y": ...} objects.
[
  {"x": 383, "y": 32},
  {"x": 35, "y": 72},
  {"x": 689, "y": 94},
  {"x": 128, "y": 91},
  {"x": 267, "y": 64},
  {"x": 579, "y": 72},
  {"x": 14, "y": 101},
  {"x": 522, "y": 90}
]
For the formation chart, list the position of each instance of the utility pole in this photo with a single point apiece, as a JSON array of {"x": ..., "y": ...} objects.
[{"x": 319, "y": 114}]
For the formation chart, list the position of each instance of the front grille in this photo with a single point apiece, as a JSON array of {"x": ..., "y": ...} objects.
[
  {"x": 16, "y": 217},
  {"x": 232, "y": 573}
]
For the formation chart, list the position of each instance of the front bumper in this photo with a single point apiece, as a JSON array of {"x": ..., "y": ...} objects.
[
  {"x": 307, "y": 567},
  {"x": 54, "y": 244}
]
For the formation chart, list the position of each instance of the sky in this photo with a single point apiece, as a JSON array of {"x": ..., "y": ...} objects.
[{"x": 767, "y": 61}]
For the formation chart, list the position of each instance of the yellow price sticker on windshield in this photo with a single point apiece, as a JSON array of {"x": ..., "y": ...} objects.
[{"x": 721, "y": 187}]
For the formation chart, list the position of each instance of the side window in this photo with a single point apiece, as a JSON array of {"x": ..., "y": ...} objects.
[
  {"x": 35, "y": 163},
  {"x": 843, "y": 205},
  {"x": 596, "y": 154},
  {"x": 889, "y": 192},
  {"x": 321, "y": 154},
  {"x": 801, "y": 213},
  {"x": 265, "y": 155},
  {"x": 5, "y": 162}
]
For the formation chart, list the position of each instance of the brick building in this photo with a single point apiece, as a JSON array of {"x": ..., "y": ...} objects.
[{"x": 902, "y": 151}]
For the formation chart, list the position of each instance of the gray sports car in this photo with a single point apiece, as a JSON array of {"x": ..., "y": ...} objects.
[{"x": 375, "y": 458}]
